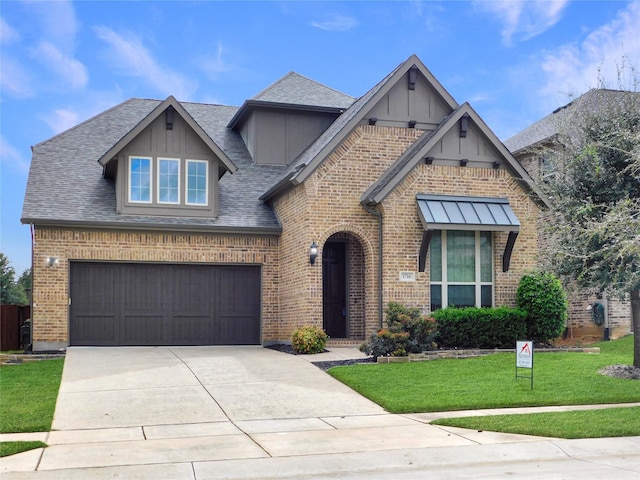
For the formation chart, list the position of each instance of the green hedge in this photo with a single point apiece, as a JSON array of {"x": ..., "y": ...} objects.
[{"x": 476, "y": 327}]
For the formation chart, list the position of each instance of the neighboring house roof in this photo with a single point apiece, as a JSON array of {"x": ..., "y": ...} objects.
[
  {"x": 417, "y": 152},
  {"x": 313, "y": 156},
  {"x": 295, "y": 91},
  {"x": 547, "y": 128},
  {"x": 66, "y": 185}
]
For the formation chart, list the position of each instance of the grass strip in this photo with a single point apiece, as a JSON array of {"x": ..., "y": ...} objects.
[
  {"x": 29, "y": 393},
  {"x": 609, "y": 422},
  {"x": 11, "y": 448}
]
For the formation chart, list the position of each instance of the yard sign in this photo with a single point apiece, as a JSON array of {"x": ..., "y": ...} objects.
[{"x": 524, "y": 358}]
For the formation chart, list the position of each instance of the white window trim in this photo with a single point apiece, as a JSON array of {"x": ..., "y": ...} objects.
[
  {"x": 159, "y": 159},
  {"x": 141, "y": 157},
  {"x": 444, "y": 283},
  {"x": 186, "y": 183}
]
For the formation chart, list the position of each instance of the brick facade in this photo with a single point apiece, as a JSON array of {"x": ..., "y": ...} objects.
[{"x": 51, "y": 284}]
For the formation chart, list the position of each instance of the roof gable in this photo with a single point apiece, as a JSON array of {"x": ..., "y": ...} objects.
[
  {"x": 310, "y": 159},
  {"x": 178, "y": 109},
  {"x": 427, "y": 142}
]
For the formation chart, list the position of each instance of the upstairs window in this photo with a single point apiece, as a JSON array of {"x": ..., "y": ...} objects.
[
  {"x": 197, "y": 184},
  {"x": 168, "y": 180},
  {"x": 461, "y": 269},
  {"x": 140, "y": 179}
]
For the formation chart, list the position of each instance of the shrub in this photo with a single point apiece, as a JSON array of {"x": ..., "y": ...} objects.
[
  {"x": 408, "y": 331},
  {"x": 309, "y": 339},
  {"x": 541, "y": 295},
  {"x": 475, "y": 327}
]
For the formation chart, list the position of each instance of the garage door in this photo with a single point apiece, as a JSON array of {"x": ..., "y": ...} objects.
[{"x": 152, "y": 304}]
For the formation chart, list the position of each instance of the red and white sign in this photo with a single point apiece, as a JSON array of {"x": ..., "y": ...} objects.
[{"x": 524, "y": 354}]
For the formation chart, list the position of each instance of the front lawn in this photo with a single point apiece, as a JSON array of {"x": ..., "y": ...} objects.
[
  {"x": 489, "y": 382},
  {"x": 29, "y": 393},
  {"x": 28, "y": 400}
]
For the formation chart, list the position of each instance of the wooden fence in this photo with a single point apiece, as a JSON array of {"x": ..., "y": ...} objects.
[{"x": 11, "y": 317}]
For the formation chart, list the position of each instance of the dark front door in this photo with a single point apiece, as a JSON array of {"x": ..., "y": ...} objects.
[
  {"x": 334, "y": 289},
  {"x": 158, "y": 304}
]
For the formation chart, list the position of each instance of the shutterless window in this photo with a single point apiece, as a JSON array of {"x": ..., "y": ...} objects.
[
  {"x": 140, "y": 179},
  {"x": 197, "y": 182},
  {"x": 461, "y": 269},
  {"x": 168, "y": 180}
]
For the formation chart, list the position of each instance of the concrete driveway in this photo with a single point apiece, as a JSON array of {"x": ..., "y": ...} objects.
[{"x": 126, "y": 387}]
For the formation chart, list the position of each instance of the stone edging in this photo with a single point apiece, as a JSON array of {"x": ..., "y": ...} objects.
[{"x": 467, "y": 353}]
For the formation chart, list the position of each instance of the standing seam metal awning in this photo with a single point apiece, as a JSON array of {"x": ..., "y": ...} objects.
[{"x": 446, "y": 212}]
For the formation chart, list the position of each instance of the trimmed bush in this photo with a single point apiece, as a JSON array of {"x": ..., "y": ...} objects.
[
  {"x": 541, "y": 295},
  {"x": 309, "y": 339},
  {"x": 408, "y": 331},
  {"x": 476, "y": 327}
]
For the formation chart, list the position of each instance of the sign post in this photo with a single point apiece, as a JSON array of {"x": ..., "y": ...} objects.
[{"x": 524, "y": 358}]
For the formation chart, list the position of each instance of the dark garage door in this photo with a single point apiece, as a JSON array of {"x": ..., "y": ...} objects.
[{"x": 156, "y": 304}]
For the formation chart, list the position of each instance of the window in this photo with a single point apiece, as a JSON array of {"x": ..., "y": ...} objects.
[
  {"x": 461, "y": 269},
  {"x": 168, "y": 180},
  {"x": 197, "y": 183},
  {"x": 140, "y": 179}
]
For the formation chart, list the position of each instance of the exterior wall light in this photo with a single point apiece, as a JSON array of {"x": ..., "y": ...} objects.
[
  {"x": 52, "y": 261},
  {"x": 313, "y": 252}
]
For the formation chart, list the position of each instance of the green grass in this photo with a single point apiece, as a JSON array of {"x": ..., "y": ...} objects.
[
  {"x": 489, "y": 382},
  {"x": 28, "y": 395},
  {"x": 609, "y": 422},
  {"x": 11, "y": 448}
]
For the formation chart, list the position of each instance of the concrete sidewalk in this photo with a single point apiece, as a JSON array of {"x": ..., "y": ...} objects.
[{"x": 248, "y": 412}]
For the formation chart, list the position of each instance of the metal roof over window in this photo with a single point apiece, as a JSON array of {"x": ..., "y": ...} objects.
[{"x": 445, "y": 212}]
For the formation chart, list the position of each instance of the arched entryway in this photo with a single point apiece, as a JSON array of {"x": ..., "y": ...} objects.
[{"x": 343, "y": 287}]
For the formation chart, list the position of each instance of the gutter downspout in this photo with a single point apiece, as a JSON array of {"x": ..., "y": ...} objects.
[{"x": 378, "y": 214}]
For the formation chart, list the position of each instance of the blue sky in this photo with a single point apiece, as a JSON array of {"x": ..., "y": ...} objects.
[{"x": 63, "y": 62}]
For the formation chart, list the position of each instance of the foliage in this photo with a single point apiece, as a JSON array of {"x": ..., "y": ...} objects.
[
  {"x": 475, "y": 327},
  {"x": 608, "y": 422},
  {"x": 408, "y": 331},
  {"x": 561, "y": 378},
  {"x": 309, "y": 339},
  {"x": 592, "y": 228},
  {"x": 29, "y": 393},
  {"x": 12, "y": 292},
  {"x": 541, "y": 295}
]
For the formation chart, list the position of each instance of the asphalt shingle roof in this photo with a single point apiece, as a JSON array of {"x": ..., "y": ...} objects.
[
  {"x": 66, "y": 184},
  {"x": 296, "y": 89}
]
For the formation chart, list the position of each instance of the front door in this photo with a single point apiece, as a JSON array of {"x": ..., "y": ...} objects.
[{"x": 334, "y": 289}]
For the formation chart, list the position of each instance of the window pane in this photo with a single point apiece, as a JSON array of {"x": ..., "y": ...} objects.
[
  {"x": 461, "y": 296},
  {"x": 461, "y": 265},
  {"x": 487, "y": 297},
  {"x": 140, "y": 179},
  {"x": 197, "y": 183},
  {"x": 169, "y": 178},
  {"x": 486, "y": 260},
  {"x": 436, "y": 297},
  {"x": 435, "y": 257}
]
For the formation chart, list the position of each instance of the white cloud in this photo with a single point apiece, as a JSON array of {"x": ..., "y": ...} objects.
[
  {"x": 7, "y": 33},
  {"x": 58, "y": 21},
  {"x": 336, "y": 23},
  {"x": 524, "y": 19},
  {"x": 10, "y": 157},
  {"x": 215, "y": 63},
  {"x": 15, "y": 80},
  {"x": 70, "y": 70},
  {"x": 597, "y": 59},
  {"x": 132, "y": 58}
]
